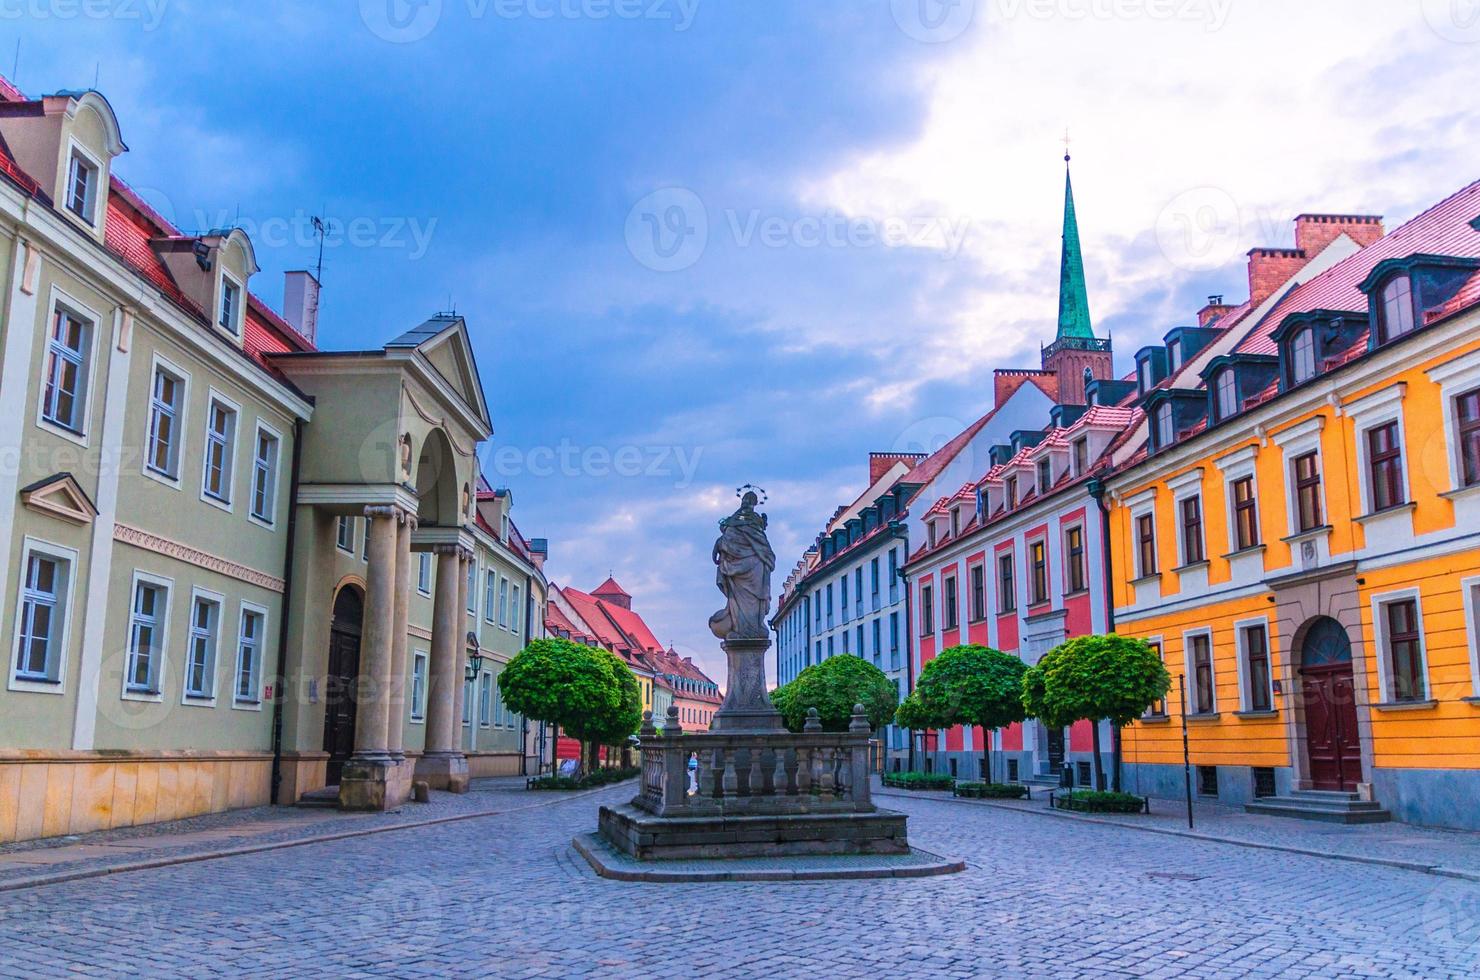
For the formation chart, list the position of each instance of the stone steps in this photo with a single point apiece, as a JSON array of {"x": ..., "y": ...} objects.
[
  {"x": 326, "y": 798},
  {"x": 1329, "y": 806}
]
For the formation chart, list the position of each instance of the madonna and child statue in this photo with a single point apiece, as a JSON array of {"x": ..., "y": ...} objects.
[{"x": 744, "y": 562}]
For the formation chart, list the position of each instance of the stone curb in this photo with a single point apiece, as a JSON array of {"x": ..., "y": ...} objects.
[
  {"x": 588, "y": 846},
  {"x": 1430, "y": 869},
  {"x": 36, "y": 881}
]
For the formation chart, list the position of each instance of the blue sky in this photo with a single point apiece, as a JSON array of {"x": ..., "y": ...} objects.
[{"x": 705, "y": 243}]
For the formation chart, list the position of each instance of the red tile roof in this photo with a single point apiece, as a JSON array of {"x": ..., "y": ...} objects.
[{"x": 1444, "y": 228}]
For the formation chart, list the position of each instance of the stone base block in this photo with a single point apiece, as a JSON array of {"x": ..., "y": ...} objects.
[
  {"x": 608, "y": 862},
  {"x": 373, "y": 784},
  {"x": 447, "y": 772},
  {"x": 642, "y": 835}
]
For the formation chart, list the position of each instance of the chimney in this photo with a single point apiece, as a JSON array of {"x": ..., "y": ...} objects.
[
  {"x": 1314, "y": 232},
  {"x": 301, "y": 303},
  {"x": 879, "y": 463},
  {"x": 1271, "y": 268},
  {"x": 539, "y": 550},
  {"x": 1215, "y": 308}
]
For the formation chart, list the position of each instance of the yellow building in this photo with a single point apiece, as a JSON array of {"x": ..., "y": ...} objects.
[{"x": 1301, "y": 536}]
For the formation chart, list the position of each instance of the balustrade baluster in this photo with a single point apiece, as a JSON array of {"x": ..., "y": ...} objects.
[
  {"x": 706, "y": 774},
  {"x": 778, "y": 773},
  {"x": 828, "y": 781},
  {"x": 804, "y": 771},
  {"x": 755, "y": 783},
  {"x": 730, "y": 783}
]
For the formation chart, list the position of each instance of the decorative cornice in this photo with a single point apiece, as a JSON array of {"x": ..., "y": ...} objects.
[{"x": 140, "y": 538}]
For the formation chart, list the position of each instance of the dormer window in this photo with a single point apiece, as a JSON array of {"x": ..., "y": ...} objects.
[
  {"x": 82, "y": 187},
  {"x": 1165, "y": 434},
  {"x": 1011, "y": 491},
  {"x": 1143, "y": 373},
  {"x": 1303, "y": 356},
  {"x": 955, "y": 521},
  {"x": 1225, "y": 389},
  {"x": 1397, "y": 308},
  {"x": 930, "y": 533},
  {"x": 231, "y": 302},
  {"x": 1045, "y": 475},
  {"x": 1081, "y": 455},
  {"x": 1174, "y": 354}
]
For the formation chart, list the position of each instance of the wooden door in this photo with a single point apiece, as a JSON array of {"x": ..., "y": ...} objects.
[
  {"x": 339, "y": 700},
  {"x": 1055, "y": 750},
  {"x": 1331, "y": 727}
]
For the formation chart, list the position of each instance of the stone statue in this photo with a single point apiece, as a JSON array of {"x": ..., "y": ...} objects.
[{"x": 745, "y": 561}]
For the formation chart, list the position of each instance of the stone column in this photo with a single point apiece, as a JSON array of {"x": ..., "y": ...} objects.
[
  {"x": 443, "y": 765},
  {"x": 367, "y": 782},
  {"x": 395, "y": 741},
  {"x": 465, "y": 559},
  {"x": 747, "y": 707}
]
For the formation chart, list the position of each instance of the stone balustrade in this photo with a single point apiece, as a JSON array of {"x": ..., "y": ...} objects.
[{"x": 756, "y": 773}]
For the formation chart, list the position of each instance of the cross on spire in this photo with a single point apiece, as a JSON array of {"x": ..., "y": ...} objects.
[{"x": 1066, "y": 144}]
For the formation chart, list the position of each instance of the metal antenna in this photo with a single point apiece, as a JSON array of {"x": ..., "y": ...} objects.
[
  {"x": 318, "y": 227},
  {"x": 15, "y": 67},
  {"x": 97, "y": 69}
]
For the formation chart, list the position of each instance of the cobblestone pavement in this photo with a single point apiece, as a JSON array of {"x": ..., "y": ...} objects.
[
  {"x": 1454, "y": 851},
  {"x": 505, "y": 896}
]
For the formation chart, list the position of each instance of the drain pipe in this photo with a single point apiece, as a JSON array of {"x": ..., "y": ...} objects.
[
  {"x": 282, "y": 651},
  {"x": 1096, "y": 489},
  {"x": 898, "y": 530}
]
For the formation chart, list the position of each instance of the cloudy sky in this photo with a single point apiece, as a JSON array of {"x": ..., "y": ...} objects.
[{"x": 701, "y": 243}]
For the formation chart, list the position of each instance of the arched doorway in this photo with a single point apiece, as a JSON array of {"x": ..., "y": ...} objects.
[
  {"x": 340, "y": 684},
  {"x": 436, "y": 483},
  {"x": 1332, "y": 745}
]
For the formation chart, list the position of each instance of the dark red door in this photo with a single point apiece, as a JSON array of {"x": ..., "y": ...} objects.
[{"x": 1331, "y": 728}]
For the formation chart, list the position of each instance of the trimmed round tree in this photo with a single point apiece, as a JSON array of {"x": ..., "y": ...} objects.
[
  {"x": 1116, "y": 678},
  {"x": 913, "y": 716},
  {"x": 974, "y": 685},
  {"x": 833, "y": 687},
  {"x": 561, "y": 682},
  {"x": 613, "y": 727}
]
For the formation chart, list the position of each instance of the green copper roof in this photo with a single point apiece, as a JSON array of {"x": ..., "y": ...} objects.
[{"x": 1073, "y": 299}]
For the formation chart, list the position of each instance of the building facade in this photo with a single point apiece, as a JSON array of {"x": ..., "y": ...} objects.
[
  {"x": 1298, "y": 539},
  {"x": 214, "y": 595}
]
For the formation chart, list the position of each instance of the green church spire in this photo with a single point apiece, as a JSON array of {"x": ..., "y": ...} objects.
[{"x": 1073, "y": 299}]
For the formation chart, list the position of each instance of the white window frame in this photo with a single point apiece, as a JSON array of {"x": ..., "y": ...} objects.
[
  {"x": 96, "y": 195},
  {"x": 490, "y": 581},
  {"x": 181, "y": 417},
  {"x": 515, "y": 609},
  {"x": 64, "y": 555},
  {"x": 473, "y": 589},
  {"x": 1309, "y": 333},
  {"x": 341, "y": 522},
  {"x": 503, "y": 603},
  {"x": 1368, "y": 413},
  {"x": 420, "y": 662},
  {"x": 274, "y": 475},
  {"x": 213, "y": 665},
  {"x": 1379, "y": 601},
  {"x": 1241, "y": 653},
  {"x": 161, "y": 654},
  {"x": 238, "y": 311},
  {"x": 424, "y": 572},
  {"x": 364, "y": 522},
  {"x": 1185, "y": 486},
  {"x": 1469, "y": 587},
  {"x": 1159, "y": 643},
  {"x": 469, "y": 690},
  {"x": 485, "y": 699},
  {"x": 254, "y": 703},
  {"x": 1294, "y": 442},
  {"x": 62, "y": 301},
  {"x": 1234, "y": 467},
  {"x": 1191, "y": 670},
  {"x": 1456, "y": 377},
  {"x": 1146, "y": 509},
  {"x": 215, "y": 398}
]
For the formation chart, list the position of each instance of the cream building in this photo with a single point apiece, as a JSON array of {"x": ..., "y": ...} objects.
[{"x": 238, "y": 568}]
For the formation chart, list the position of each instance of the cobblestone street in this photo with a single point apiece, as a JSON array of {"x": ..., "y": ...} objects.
[{"x": 508, "y": 897}]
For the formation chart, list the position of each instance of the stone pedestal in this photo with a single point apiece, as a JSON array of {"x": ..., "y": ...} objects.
[
  {"x": 447, "y": 771},
  {"x": 747, "y": 706},
  {"x": 634, "y": 831},
  {"x": 374, "y": 784}
]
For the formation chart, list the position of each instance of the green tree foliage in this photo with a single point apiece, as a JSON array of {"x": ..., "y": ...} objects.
[
  {"x": 913, "y": 716},
  {"x": 577, "y": 687},
  {"x": 833, "y": 687},
  {"x": 973, "y": 685},
  {"x": 1111, "y": 677}
]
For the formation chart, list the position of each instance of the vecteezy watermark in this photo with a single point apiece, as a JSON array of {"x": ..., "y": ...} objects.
[
  {"x": 410, "y": 234},
  {"x": 933, "y": 21},
  {"x": 1453, "y": 20},
  {"x": 148, "y": 13},
  {"x": 404, "y": 21},
  {"x": 1213, "y": 14},
  {"x": 669, "y": 230},
  {"x": 567, "y": 459},
  {"x": 1200, "y": 229}
]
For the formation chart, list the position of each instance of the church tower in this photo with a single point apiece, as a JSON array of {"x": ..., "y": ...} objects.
[{"x": 1076, "y": 354}]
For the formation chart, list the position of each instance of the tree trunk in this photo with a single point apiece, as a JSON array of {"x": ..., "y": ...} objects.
[
  {"x": 912, "y": 750},
  {"x": 1099, "y": 763},
  {"x": 1116, "y": 748},
  {"x": 986, "y": 756}
]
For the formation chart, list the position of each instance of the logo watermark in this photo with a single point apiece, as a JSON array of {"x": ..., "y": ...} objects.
[
  {"x": 149, "y": 13},
  {"x": 571, "y": 460},
  {"x": 939, "y": 21},
  {"x": 407, "y": 233},
  {"x": 1457, "y": 21},
  {"x": 670, "y": 229},
  {"x": 406, "y": 21}
]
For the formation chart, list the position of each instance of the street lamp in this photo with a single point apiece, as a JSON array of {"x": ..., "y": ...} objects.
[{"x": 475, "y": 659}]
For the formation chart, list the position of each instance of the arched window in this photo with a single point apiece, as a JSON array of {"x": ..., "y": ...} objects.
[
  {"x": 1227, "y": 394},
  {"x": 1397, "y": 308},
  {"x": 1303, "y": 356},
  {"x": 1165, "y": 434}
]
